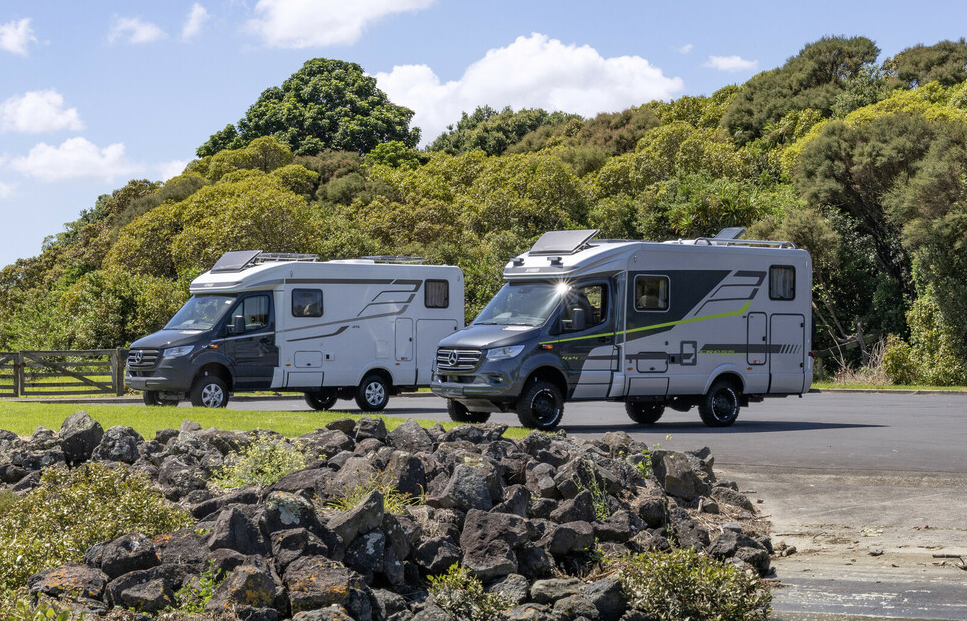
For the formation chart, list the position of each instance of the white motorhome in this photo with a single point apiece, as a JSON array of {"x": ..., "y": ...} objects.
[
  {"x": 711, "y": 322},
  {"x": 363, "y": 329}
]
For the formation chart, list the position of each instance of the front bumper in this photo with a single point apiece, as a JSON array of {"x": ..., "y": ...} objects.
[{"x": 170, "y": 375}]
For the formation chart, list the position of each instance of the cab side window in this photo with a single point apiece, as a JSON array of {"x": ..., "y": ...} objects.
[
  {"x": 306, "y": 303},
  {"x": 651, "y": 293},
  {"x": 592, "y": 300},
  {"x": 255, "y": 311}
]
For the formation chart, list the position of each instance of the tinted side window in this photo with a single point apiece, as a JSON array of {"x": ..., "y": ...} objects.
[
  {"x": 436, "y": 294},
  {"x": 782, "y": 282},
  {"x": 306, "y": 303},
  {"x": 651, "y": 293}
]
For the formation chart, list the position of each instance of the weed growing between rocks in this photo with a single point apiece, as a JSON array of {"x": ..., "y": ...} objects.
[
  {"x": 394, "y": 501},
  {"x": 194, "y": 595},
  {"x": 72, "y": 510},
  {"x": 263, "y": 462},
  {"x": 683, "y": 584},
  {"x": 461, "y": 594},
  {"x": 20, "y": 606}
]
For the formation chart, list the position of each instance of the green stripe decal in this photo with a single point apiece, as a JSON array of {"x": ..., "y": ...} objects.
[{"x": 656, "y": 326}]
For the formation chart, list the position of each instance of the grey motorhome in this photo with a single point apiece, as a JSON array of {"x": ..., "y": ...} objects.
[
  {"x": 363, "y": 329},
  {"x": 710, "y": 322}
]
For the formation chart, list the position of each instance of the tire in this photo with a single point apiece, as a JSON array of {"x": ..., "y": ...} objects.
[
  {"x": 644, "y": 413},
  {"x": 460, "y": 414},
  {"x": 209, "y": 391},
  {"x": 321, "y": 400},
  {"x": 720, "y": 405},
  {"x": 372, "y": 394},
  {"x": 153, "y": 398},
  {"x": 541, "y": 406}
]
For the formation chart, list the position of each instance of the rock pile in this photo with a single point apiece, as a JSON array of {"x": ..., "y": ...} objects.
[{"x": 526, "y": 517}]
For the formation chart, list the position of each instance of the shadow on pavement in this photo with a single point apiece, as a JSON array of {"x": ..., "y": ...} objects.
[{"x": 688, "y": 427}]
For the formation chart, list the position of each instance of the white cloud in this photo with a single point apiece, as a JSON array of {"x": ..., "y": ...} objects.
[
  {"x": 76, "y": 158},
  {"x": 167, "y": 170},
  {"x": 134, "y": 31},
  {"x": 195, "y": 20},
  {"x": 15, "y": 36},
  {"x": 731, "y": 63},
  {"x": 685, "y": 49},
  {"x": 36, "y": 112},
  {"x": 532, "y": 72},
  {"x": 7, "y": 189},
  {"x": 311, "y": 23}
]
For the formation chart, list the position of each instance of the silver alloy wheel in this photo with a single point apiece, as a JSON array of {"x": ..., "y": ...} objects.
[
  {"x": 212, "y": 395},
  {"x": 375, "y": 393}
]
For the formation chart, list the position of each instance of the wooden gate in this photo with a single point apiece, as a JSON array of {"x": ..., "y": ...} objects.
[
  {"x": 9, "y": 374},
  {"x": 66, "y": 373}
]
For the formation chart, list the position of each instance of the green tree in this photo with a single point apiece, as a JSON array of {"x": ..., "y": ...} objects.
[
  {"x": 327, "y": 104},
  {"x": 493, "y": 132},
  {"x": 812, "y": 79},
  {"x": 944, "y": 62}
]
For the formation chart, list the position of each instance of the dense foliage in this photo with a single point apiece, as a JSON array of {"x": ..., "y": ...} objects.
[
  {"x": 328, "y": 104},
  {"x": 72, "y": 510},
  {"x": 862, "y": 164}
]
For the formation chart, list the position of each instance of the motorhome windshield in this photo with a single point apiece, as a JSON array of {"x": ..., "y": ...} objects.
[
  {"x": 201, "y": 312},
  {"x": 522, "y": 304}
]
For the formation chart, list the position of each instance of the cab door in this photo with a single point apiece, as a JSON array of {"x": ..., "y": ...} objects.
[
  {"x": 586, "y": 343},
  {"x": 250, "y": 344}
]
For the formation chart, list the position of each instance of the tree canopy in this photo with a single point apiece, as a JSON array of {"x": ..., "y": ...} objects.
[{"x": 328, "y": 104}]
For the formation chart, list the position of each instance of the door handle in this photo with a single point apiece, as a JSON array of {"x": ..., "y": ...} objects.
[{"x": 265, "y": 340}]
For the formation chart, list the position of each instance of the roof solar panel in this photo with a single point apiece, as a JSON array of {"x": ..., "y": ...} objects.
[
  {"x": 234, "y": 261},
  {"x": 562, "y": 242}
]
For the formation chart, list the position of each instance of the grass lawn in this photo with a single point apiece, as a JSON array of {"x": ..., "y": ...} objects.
[
  {"x": 861, "y": 386},
  {"x": 23, "y": 418}
]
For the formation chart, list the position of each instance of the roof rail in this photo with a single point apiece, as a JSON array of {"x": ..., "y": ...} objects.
[
  {"x": 265, "y": 257},
  {"x": 392, "y": 258},
  {"x": 717, "y": 241}
]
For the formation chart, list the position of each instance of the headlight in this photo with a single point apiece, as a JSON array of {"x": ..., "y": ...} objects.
[
  {"x": 502, "y": 353},
  {"x": 174, "y": 352}
]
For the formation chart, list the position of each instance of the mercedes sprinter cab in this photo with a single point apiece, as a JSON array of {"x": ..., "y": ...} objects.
[
  {"x": 710, "y": 322},
  {"x": 361, "y": 329}
]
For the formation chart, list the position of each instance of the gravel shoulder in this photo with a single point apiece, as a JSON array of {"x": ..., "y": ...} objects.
[{"x": 882, "y": 544}]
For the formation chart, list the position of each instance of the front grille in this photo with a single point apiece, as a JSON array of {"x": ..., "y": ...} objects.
[
  {"x": 142, "y": 358},
  {"x": 449, "y": 359}
]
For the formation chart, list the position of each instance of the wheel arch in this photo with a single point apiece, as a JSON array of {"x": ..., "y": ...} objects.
[
  {"x": 548, "y": 374},
  {"x": 729, "y": 373},
  {"x": 218, "y": 370}
]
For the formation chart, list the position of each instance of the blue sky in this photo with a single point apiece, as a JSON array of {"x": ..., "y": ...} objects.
[{"x": 95, "y": 93}]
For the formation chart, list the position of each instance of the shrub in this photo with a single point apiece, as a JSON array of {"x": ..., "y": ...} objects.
[
  {"x": 462, "y": 595},
  {"x": 72, "y": 510},
  {"x": 263, "y": 462},
  {"x": 20, "y": 606},
  {"x": 682, "y": 584}
]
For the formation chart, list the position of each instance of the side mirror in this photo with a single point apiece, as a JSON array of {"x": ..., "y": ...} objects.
[
  {"x": 238, "y": 325},
  {"x": 578, "y": 320}
]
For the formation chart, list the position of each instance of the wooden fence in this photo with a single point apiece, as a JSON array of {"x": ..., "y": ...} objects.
[{"x": 62, "y": 373}]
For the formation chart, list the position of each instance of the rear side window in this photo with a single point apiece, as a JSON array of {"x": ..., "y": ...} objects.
[
  {"x": 436, "y": 294},
  {"x": 306, "y": 303},
  {"x": 651, "y": 293},
  {"x": 782, "y": 282}
]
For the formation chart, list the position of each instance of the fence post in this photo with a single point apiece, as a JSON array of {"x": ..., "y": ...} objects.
[
  {"x": 18, "y": 374},
  {"x": 120, "y": 358}
]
